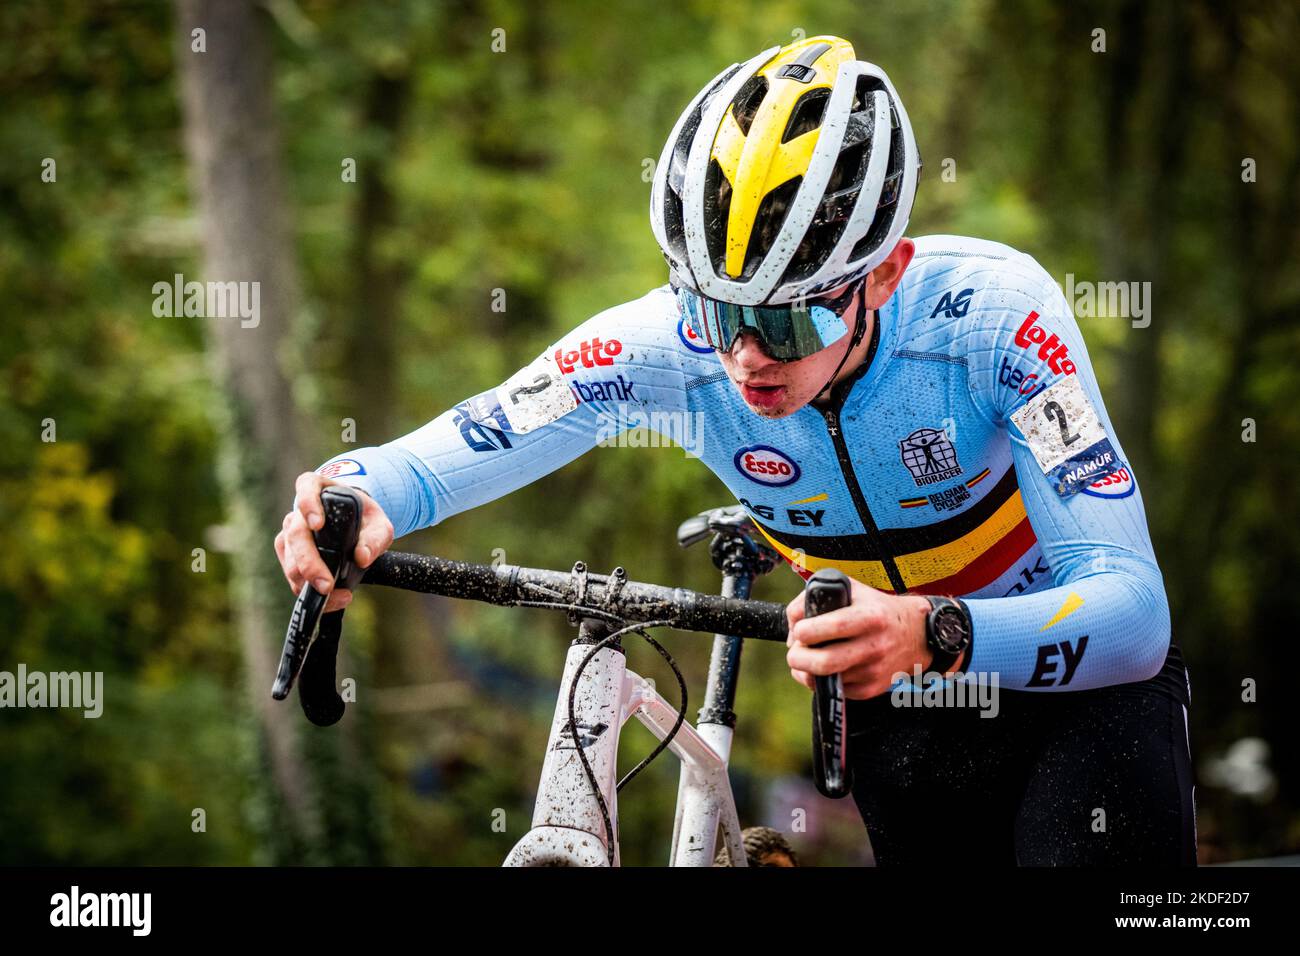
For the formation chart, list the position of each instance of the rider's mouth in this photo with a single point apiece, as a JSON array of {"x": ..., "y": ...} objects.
[{"x": 763, "y": 396}]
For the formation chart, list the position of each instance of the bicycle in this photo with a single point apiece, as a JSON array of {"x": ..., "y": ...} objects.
[{"x": 575, "y": 818}]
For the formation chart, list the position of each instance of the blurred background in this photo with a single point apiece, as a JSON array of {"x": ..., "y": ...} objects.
[{"x": 388, "y": 171}]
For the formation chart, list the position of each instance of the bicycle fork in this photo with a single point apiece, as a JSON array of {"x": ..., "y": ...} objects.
[{"x": 700, "y": 807}]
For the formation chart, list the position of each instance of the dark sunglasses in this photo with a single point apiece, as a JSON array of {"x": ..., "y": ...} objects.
[{"x": 787, "y": 332}]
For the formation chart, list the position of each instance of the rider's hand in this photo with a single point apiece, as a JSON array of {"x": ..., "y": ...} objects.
[
  {"x": 881, "y": 634},
  {"x": 296, "y": 548}
]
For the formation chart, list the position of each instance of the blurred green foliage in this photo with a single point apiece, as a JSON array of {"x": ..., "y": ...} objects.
[{"x": 526, "y": 171}]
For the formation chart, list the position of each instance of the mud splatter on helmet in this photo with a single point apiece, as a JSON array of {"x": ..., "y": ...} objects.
[{"x": 787, "y": 176}]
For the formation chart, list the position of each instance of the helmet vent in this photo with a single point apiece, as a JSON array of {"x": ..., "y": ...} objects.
[
  {"x": 797, "y": 71},
  {"x": 673, "y": 229},
  {"x": 862, "y": 95},
  {"x": 807, "y": 114},
  {"x": 818, "y": 241},
  {"x": 850, "y": 167},
  {"x": 767, "y": 225},
  {"x": 747, "y": 101},
  {"x": 717, "y": 206},
  {"x": 882, "y": 224}
]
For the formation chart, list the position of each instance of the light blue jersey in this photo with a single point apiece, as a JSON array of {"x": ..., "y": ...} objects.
[{"x": 971, "y": 456}]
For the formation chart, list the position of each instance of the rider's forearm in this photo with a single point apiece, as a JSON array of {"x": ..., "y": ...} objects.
[
  {"x": 1106, "y": 627},
  {"x": 453, "y": 464},
  {"x": 397, "y": 479},
  {"x": 477, "y": 451}
]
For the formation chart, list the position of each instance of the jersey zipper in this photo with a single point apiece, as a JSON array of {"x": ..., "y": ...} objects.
[
  {"x": 832, "y": 416},
  {"x": 839, "y": 395}
]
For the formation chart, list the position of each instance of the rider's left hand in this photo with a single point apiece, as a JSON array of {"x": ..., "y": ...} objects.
[{"x": 879, "y": 635}]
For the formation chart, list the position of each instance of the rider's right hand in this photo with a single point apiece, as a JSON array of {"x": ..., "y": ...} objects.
[{"x": 296, "y": 548}]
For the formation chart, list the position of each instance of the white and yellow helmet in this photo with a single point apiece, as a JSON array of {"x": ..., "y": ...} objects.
[{"x": 788, "y": 176}]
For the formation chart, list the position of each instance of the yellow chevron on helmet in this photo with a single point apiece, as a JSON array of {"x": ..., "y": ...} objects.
[
  {"x": 762, "y": 156},
  {"x": 787, "y": 176}
]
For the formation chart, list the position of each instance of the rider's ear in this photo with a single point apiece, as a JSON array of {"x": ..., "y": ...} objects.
[{"x": 884, "y": 278}]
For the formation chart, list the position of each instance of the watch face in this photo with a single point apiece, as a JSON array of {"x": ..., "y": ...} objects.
[{"x": 950, "y": 628}]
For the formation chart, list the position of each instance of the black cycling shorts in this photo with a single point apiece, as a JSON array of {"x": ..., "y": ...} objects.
[{"x": 1096, "y": 777}]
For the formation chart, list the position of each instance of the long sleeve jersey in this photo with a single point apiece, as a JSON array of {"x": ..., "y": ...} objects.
[{"x": 972, "y": 456}]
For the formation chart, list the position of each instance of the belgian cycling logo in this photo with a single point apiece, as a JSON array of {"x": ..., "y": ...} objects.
[
  {"x": 341, "y": 467},
  {"x": 588, "y": 354},
  {"x": 953, "y": 308},
  {"x": 950, "y": 499},
  {"x": 929, "y": 456},
  {"x": 1118, "y": 484},
  {"x": 690, "y": 339},
  {"x": 766, "y": 465},
  {"x": 1050, "y": 348}
]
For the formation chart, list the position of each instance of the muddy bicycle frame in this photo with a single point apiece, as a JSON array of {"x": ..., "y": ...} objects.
[{"x": 568, "y": 827}]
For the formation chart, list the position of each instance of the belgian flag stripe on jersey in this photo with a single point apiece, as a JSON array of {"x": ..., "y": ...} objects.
[{"x": 957, "y": 555}]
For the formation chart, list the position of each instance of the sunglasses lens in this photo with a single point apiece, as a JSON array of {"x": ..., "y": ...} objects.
[
  {"x": 786, "y": 332},
  {"x": 830, "y": 325}
]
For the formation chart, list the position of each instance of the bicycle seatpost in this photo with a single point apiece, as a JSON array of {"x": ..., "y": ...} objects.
[{"x": 828, "y": 590}]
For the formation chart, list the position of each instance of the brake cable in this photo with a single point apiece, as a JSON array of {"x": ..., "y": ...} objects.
[{"x": 638, "y": 628}]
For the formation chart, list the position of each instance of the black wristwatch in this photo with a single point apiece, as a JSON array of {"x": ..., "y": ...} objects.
[{"x": 947, "y": 632}]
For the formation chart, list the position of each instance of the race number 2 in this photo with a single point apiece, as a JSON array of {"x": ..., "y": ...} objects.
[
  {"x": 536, "y": 395},
  {"x": 1067, "y": 437}
]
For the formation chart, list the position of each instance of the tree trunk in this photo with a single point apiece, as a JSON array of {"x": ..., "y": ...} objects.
[
  {"x": 373, "y": 360},
  {"x": 234, "y": 152}
]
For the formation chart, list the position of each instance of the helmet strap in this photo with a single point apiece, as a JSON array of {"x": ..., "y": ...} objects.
[{"x": 859, "y": 330}]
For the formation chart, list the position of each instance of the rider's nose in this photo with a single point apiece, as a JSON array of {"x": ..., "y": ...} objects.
[{"x": 748, "y": 354}]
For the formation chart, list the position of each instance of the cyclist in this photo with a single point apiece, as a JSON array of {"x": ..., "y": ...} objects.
[{"x": 921, "y": 414}]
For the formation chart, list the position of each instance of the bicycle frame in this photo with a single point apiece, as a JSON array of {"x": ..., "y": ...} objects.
[{"x": 568, "y": 828}]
